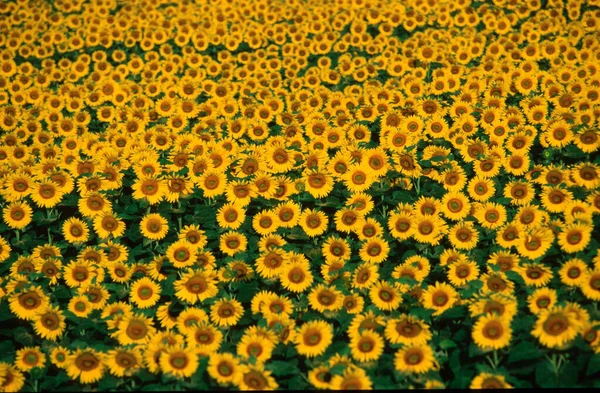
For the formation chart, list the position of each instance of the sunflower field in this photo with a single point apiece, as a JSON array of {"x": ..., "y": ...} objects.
[{"x": 299, "y": 194}]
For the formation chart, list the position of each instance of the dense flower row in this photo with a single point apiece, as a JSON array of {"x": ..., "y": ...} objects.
[{"x": 346, "y": 194}]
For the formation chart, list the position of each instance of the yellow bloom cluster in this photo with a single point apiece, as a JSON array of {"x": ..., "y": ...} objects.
[{"x": 225, "y": 185}]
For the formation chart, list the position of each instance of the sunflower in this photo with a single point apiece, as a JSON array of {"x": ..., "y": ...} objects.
[
  {"x": 144, "y": 293},
  {"x": 189, "y": 318},
  {"x": 276, "y": 305},
  {"x": 530, "y": 216},
  {"x": 194, "y": 235},
  {"x": 17, "y": 215},
  {"x": 354, "y": 303},
  {"x": 461, "y": 272},
  {"x": 226, "y": 312},
  {"x": 296, "y": 275},
  {"x": 490, "y": 215},
  {"x": 240, "y": 192},
  {"x": 415, "y": 358},
  {"x": 224, "y": 368},
  {"x": 318, "y": 183},
  {"x": 481, "y": 189},
  {"x": 313, "y": 338},
  {"x": 231, "y": 216},
  {"x": 353, "y": 378},
  {"x": 50, "y": 323},
  {"x": 123, "y": 362},
  {"x": 178, "y": 361},
  {"x": 572, "y": 272},
  {"x": 407, "y": 330},
  {"x": 86, "y": 364},
  {"x": 232, "y": 242},
  {"x": 288, "y": 214},
  {"x": 323, "y": 298},
  {"x": 80, "y": 306},
  {"x": 439, "y": 297},
  {"x": 555, "y": 327},
  {"x": 574, "y": 237},
  {"x": 401, "y": 225},
  {"x": 154, "y": 226},
  {"x": 28, "y": 303},
  {"x": 114, "y": 313},
  {"x": 534, "y": 243},
  {"x": 204, "y": 338},
  {"x": 320, "y": 377},
  {"x": 313, "y": 222},
  {"x": 59, "y": 356},
  {"x": 265, "y": 222},
  {"x": 28, "y": 358},
  {"x": 590, "y": 284},
  {"x": 150, "y": 188},
  {"x": 366, "y": 346},
  {"x": 46, "y": 194},
  {"x": 195, "y": 285},
  {"x": 519, "y": 192},
  {"x": 463, "y": 235},
  {"x": 5, "y": 249},
  {"x": 212, "y": 182},
  {"x": 134, "y": 329},
  {"x": 455, "y": 205},
  {"x": 12, "y": 379},
  {"x": 374, "y": 250},
  {"x": 255, "y": 377},
  {"x": 586, "y": 174},
  {"x": 336, "y": 248},
  {"x": 17, "y": 186},
  {"x": 542, "y": 299},
  {"x": 554, "y": 199},
  {"x": 92, "y": 204},
  {"x": 347, "y": 219},
  {"x": 535, "y": 274},
  {"x": 369, "y": 228},
  {"x": 429, "y": 229},
  {"x": 182, "y": 254},
  {"x": 106, "y": 224},
  {"x": 255, "y": 345},
  {"x": 75, "y": 230},
  {"x": 358, "y": 178},
  {"x": 491, "y": 332},
  {"x": 385, "y": 296},
  {"x": 489, "y": 381},
  {"x": 509, "y": 234}
]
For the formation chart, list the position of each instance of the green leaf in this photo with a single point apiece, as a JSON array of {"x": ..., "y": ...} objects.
[
  {"x": 525, "y": 350},
  {"x": 593, "y": 366},
  {"x": 447, "y": 344},
  {"x": 155, "y": 387},
  {"x": 280, "y": 368},
  {"x": 568, "y": 376},
  {"x": 338, "y": 369},
  {"x": 456, "y": 312},
  {"x": 545, "y": 376},
  {"x": 246, "y": 291},
  {"x": 515, "y": 277},
  {"x": 22, "y": 336}
]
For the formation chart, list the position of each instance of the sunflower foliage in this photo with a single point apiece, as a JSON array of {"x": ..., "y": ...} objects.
[{"x": 258, "y": 195}]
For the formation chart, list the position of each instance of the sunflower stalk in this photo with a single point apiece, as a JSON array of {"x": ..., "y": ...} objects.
[
  {"x": 556, "y": 361},
  {"x": 417, "y": 185},
  {"x": 494, "y": 360},
  {"x": 179, "y": 217}
]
